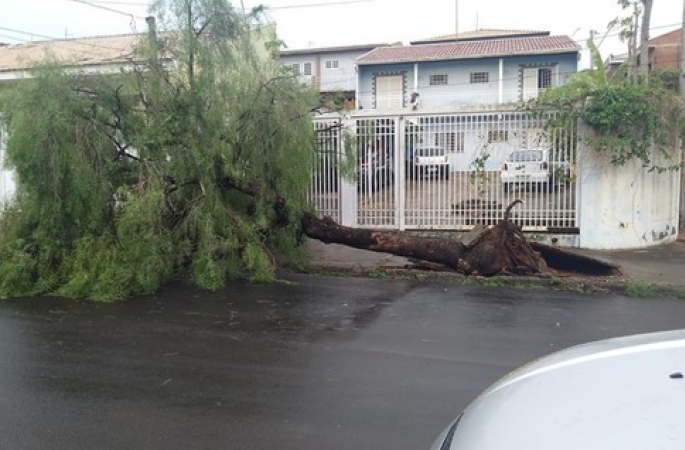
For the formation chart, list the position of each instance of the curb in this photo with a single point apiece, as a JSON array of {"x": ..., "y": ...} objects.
[{"x": 616, "y": 284}]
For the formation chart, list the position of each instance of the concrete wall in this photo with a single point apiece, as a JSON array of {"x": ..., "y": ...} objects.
[
  {"x": 626, "y": 207},
  {"x": 7, "y": 186}
]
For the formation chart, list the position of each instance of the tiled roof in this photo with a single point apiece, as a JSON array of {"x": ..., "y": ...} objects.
[
  {"x": 70, "y": 52},
  {"x": 481, "y": 33},
  {"x": 470, "y": 50}
]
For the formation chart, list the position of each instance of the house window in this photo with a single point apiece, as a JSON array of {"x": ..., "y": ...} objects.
[
  {"x": 450, "y": 141},
  {"x": 438, "y": 80},
  {"x": 480, "y": 77},
  {"x": 498, "y": 136},
  {"x": 544, "y": 78},
  {"x": 332, "y": 64},
  {"x": 296, "y": 69},
  {"x": 307, "y": 68}
]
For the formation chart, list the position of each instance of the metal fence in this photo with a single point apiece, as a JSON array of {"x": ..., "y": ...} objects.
[{"x": 447, "y": 171}]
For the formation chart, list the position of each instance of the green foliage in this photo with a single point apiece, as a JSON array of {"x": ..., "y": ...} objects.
[
  {"x": 641, "y": 289},
  {"x": 668, "y": 79},
  {"x": 124, "y": 182},
  {"x": 629, "y": 120}
]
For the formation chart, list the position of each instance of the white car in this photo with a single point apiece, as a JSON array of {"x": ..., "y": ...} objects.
[
  {"x": 529, "y": 167},
  {"x": 618, "y": 394},
  {"x": 429, "y": 160}
]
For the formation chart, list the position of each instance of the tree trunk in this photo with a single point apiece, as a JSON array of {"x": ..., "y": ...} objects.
[
  {"x": 500, "y": 250},
  {"x": 644, "y": 40}
]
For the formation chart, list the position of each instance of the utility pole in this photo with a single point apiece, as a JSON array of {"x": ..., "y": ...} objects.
[
  {"x": 681, "y": 83},
  {"x": 456, "y": 18},
  {"x": 681, "y": 80},
  {"x": 154, "y": 59}
]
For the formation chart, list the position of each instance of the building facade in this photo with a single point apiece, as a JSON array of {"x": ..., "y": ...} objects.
[
  {"x": 465, "y": 73},
  {"x": 330, "y": 70}
]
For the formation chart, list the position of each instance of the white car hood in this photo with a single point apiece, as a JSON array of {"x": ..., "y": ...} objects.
[{"x": 617, "y": 394}]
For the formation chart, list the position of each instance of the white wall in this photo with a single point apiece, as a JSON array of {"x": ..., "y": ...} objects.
[
  {"x": 341, "y": 78},
  {"x": 626, "y": 207},
  {"x": 7, "y": 186}
]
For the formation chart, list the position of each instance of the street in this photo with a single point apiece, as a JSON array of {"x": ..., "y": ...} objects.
[{"x": 320, "y": 363}]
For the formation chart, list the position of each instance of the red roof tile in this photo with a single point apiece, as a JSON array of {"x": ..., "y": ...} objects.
[{"x": 532, "y": 45}]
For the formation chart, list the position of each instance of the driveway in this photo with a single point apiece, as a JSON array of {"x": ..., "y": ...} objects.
[{"x": 320, "y": 363}]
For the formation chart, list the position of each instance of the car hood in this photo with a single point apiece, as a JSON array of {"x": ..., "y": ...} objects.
[{"x": 623, "y": 393}]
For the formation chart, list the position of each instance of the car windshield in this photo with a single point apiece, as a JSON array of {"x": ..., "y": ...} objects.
[
  {"x": 526, "y": 156},
  {"x": 430, "y": 151}
]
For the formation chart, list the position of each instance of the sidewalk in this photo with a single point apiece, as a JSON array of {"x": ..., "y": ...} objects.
[{"x": 662, "y": 265}]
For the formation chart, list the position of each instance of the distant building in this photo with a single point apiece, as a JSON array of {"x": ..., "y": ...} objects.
[
  {"x": 331, "y": 70},
  {"x": 665, "y": 50},
  {"x": 613, "y": 63}
]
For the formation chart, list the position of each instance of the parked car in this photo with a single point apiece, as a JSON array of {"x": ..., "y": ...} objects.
[
  {"x": 626, "y": 393},
  {"x": 533, "y": 167},
  {"x": 375, "y": 170},
  {"x": 428, "y": 160}
]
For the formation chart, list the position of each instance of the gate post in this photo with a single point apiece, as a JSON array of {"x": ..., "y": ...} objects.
[
  {"x": 400, "y": 176},
  {"x": 348, "y": 185}
]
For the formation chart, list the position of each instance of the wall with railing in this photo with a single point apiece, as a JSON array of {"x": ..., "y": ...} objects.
[{"x": 449, "y": 172}]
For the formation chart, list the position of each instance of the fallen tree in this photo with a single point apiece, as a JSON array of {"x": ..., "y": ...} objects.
[
  {"x": 502, "y": 249},
  {"x": 499, "y": 250},
  {"x": 198, "y": 169}
]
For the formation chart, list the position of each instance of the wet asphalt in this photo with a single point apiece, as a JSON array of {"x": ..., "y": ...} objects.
[{"x": 324, "y": 363}]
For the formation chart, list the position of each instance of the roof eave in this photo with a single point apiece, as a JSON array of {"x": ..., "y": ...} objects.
[{"x": 468, "y": 57}]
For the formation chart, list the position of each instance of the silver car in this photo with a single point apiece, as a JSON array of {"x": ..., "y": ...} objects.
[
  {"x": 430, "y": 160},
  {"x": 618, "y": 394}
]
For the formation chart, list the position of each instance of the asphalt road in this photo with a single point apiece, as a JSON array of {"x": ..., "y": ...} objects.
[{"x": 327, "y": 363}]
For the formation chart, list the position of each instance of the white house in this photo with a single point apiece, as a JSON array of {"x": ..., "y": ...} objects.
[{"x": 328, "y": 69}]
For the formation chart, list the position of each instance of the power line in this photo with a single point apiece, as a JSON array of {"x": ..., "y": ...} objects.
[
  {"x": 106, "y": 8},
  {"x": 75, "y": 41},
  {"x": 112, "y": 2},
  {"x": 304, "y": 5},
  {"x": 318, "y": 5},
  {"x": 6, "y": 36},
  {"x": 616, "y": 34}
]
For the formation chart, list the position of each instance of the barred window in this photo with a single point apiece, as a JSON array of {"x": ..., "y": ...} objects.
[
  {"x": 307, "y": 68},
  {"x": 480, "y": 77},
  {"x": 332, "y": 64},
  {"x": 498, "y": 136},
  {"x": 544, "y": 78},
  {"x": 296, "y": 69},
  {"x": 450, "y": 141},
  {"x": 438, "y": 80}
]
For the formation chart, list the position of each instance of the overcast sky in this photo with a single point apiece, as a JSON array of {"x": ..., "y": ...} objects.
[{"x": 324, "y": 23}]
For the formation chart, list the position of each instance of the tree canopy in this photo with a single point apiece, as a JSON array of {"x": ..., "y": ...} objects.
[{"x": 124, "y": 181}]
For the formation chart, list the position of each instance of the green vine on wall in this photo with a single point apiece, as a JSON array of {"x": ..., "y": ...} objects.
[{"x": 629, "y": 119}]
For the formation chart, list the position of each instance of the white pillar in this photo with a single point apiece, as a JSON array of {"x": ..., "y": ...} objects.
[
  {"x": 348, "y": 188},
  {"x": 501, "y": 81}
]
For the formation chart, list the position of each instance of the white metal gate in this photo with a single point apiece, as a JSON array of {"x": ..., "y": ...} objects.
[{"x": 452, "y": 171}]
